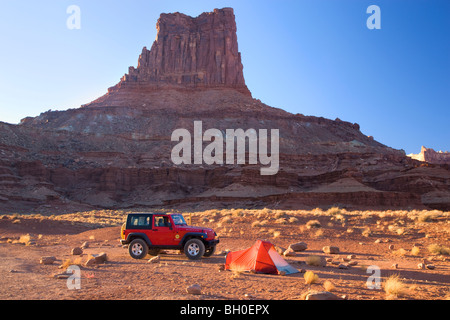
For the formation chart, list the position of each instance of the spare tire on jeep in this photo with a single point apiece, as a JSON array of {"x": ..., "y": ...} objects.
[{"x": 194, "y": 249}]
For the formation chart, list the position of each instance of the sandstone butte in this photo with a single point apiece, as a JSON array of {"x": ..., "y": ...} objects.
[{"x": 114, "y": 152}]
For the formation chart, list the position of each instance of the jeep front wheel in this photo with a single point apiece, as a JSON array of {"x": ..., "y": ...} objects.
[
  {"x": 194, "y": 249},
  {"x": 138, "y": 249}
]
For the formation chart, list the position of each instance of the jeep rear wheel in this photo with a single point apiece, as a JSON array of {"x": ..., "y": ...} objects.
[
  {"x": 138, "y": 249},
  {"x": 210, "y": 251},
  {"x": 194, "y": 249}
]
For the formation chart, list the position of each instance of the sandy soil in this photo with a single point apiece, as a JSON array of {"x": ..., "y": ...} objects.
[{"x": 121, "y": 277}]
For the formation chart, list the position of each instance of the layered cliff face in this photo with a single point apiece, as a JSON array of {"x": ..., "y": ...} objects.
[
  {"x": 431, "y": 156},
  {"x": 115, "y": 152}
]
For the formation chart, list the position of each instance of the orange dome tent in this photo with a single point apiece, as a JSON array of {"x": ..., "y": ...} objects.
[{"x": 261, "y": 257}]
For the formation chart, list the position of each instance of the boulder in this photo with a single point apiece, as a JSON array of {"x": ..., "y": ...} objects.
[
  {"x": 289, "y": 253},
  {"x": 321, "y": 295},
  {"x": 77, "y": 251},
  {"x": 47, "y": 260},
  {"x": 154, "y": 259},
  {"x": 330, "y": 250},
  {"x": 194, "y": 289},
  {"x": 299, "y": 246}
]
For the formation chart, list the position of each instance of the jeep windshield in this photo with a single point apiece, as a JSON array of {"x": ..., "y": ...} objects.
[{"x": 178, "y": 219}]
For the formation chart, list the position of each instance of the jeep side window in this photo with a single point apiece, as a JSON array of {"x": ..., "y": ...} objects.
[
  {"x": 161, "y": 221},
  {"x": 140, "y": 221}
]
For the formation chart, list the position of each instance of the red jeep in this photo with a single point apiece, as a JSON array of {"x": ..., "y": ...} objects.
[{"x": 150, "y": 232}]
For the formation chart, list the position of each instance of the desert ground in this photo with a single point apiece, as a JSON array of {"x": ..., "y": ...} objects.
[{"x": 411, "y": 248}]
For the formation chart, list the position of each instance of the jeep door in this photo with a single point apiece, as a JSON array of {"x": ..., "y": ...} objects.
[{"x": 163, "y": 231}]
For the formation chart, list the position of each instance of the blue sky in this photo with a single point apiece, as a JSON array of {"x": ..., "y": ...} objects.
[{"x": 311, "y": 57}]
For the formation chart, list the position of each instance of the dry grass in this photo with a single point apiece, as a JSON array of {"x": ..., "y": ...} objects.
[
  {"x": 415, "y": 251},
  {"x": 313, "y": 224},
  {"x": 429, "y": 216},
  {"x": 310, "y": 277},
  {"x": 25, "y": 239},
  {"x": 438, "y": 249},
  {"x": 400, "y": 252},
  {"x": 314, "y": 260},
  {"x": 70, "y": 262},
  {"x": 329, "y": 286},
  {"x": 319, "y": 234},
  {"x": 394, "y": 287}
]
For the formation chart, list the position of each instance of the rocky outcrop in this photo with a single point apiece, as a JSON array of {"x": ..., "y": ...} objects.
[
  {"x": 431, "y": 156},
  {"x": 189, "y": 52}
]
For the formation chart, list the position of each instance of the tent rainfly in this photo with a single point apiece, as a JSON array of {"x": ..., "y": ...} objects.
[{"x": 261, "y": 257}]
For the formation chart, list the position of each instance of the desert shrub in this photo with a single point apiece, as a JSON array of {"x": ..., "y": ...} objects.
[
  {"x": 310, "y": 277},
  {"x": 293, "y": 220},
  {"x": 415, "y": 251},
  {"x": 394, "y": 287},
  {"x": 366, "y": 232},
  {"x": 256, "y": 224},
  {"x": 25, "y": 239},
  {"x": 313, "y": 224},
  {"x": 281, "y": 221},
  {"x": 429, "y": 216},
  {"x": 226, "y": 220},
  {"x": 329, "y": 286},
  {"x": 333, "y": 211},
  {"x": 438, "y": 249},
  {"x": 279, "y": 214},
  {"x": 400, "y": 252},
  {"x": 319, "y": 233},
  {"x": 314, "y": 260}
]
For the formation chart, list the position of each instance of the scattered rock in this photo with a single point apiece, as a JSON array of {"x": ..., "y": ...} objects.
[
  {"x": 343, "y": 266},
  {"x": 289, "y": 252},
  {"x": 194, "y": 289},
  {"x": 430, "y": 266},
  {"x": 321, "y": 295},
  {"x": 154, "y": 259},
  {"x": 330, "y": 250},
  {"x": 421, "y": 266},
  {"x": 280, "y": 250},
  {"x": 90, "y": 262},
  {"x": 101, "y": 258},
  {"x": 351, "y": 256},
  {"x": 85, "y": 245},
  {"x": 299, "y": 246},
  {"x": 394, "y": 266},
  {"x": 96, "y": 259},
  {"x": 391, "y": 247},
  {"x": 282, "y": 273},
  {"x": 353, "y": 263},
  {"x": 77, "y": 251},
  {"x": 47, "y": 260}
]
